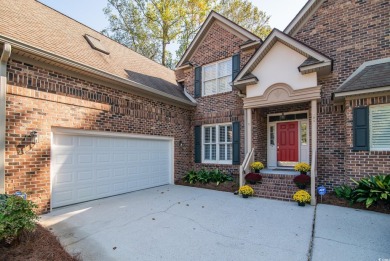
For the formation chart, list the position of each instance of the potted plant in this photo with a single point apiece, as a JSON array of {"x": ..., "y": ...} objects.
[
  {"x": 302, "y": 181},
  {"x": 257, "y": 166},
  {"x": 302, "y": 167},
  {"x": 246, "y": 191},
  {"x": 302, "y": 197},
  {"x": 253, "y": 178}
]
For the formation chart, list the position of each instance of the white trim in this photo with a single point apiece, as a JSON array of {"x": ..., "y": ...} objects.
[
  {"x": 303, "y": 16},
  {"x": 70, "y": 131},
  {"x": 364, "y": 91},
  {"x": 203, "y": 30},
  {"x": 3, "y": 92},
  {"x": 216, "y": 78},
  {"x": 274, "y": 123},
  {"x": 217, "y": 161},
  {"x": 313, "y": 171},
  {"x": 78, "y": 132},
  {"x": 371, "y": 108},
  {"x": 276, "y": 35}
]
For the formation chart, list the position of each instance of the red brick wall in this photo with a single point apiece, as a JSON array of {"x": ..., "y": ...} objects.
[
  {"x": 218, "y": 44},
  {"x": 349, "y": 32},
  {"x": 38, "y": 99}
]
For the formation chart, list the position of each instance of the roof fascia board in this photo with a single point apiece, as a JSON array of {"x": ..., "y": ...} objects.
[
  {"x": 276, "y": 35},
  {"x": 62, "y": 60},
  {"x": 204, "y": 29},
  {"x": 302, "y": 17},
  {"x": 314, "y": 67},
  {"x": 360, "y": 92}
]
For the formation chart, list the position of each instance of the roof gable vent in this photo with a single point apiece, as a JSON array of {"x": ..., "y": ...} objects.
[{"x": 96, "y": 44}]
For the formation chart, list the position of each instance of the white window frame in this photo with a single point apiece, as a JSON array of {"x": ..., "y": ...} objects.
[
  {"x": 216, "y": 78},
  {"x": 371, "y": 109},
  {"x": 217, "y": 127}
]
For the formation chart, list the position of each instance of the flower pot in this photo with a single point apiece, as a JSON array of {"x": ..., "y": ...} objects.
[
  {"x": 301, "y": 204},
  {"x": 252, "y": 182},
  {"x": 304, "y": 172},
  {"x": 257, "y": 171},
  {"x": 245, "y": 196},
  {"x": 301, "y": 186}
]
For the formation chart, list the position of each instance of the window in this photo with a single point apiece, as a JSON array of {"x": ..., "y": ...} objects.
[
  {"x": 217, "y": 77},
  {"x": 380, "y": 127},
  {"x": 303, "y": 133},
  {"x": 272, "y": 135},
  {"x": 217, "y": 143}
]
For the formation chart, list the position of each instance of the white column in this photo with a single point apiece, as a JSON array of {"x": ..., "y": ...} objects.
[
  {"x": 313, "y": 173},
  {"x": 248, "y": 128},
  {"x": 3, "y": 90}
]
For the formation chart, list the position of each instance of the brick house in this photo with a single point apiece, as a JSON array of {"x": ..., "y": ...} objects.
[{"x": 83, "y": 117}]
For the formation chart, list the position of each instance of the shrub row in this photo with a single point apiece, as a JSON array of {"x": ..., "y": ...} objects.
[
  {"x": 369, "y": 190},
  {"x": 204, "y": 176}
]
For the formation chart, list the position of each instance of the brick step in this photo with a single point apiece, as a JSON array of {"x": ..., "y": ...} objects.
[{"x": 276, "y": 186}]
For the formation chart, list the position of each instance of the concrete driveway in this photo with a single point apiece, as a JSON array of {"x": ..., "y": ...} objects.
[{"x": 184, "y": 223}]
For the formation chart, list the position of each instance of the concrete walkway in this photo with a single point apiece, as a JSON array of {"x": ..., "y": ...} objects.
[
  {"x": 184, "y": 223},
  {"x": 350, "y": 234}
]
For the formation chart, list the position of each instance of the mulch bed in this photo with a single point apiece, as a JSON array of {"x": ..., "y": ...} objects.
[
  {"x": 38, "y": 245},
  {"x": 228, "y": 186},
  {"x": 332, "y": 199}
]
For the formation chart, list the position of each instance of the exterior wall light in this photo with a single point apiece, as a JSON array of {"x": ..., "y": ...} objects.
[
  {"x": 34, "y": 137},
  {"x": 19, "y": 149},
  {"x": 181, "y": 144}
]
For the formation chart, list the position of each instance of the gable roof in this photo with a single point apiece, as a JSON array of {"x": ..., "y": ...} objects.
[
  {"x": 371, "y": 76},
  {"x": 33, "y": 26},
  {"x": 303, "y": 16},
  {"x": 316, "y": 61},
  {"x": 214, "y": 16}
]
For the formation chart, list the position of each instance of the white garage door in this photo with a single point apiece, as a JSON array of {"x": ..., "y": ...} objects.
[{"x": 90, "y": 167}]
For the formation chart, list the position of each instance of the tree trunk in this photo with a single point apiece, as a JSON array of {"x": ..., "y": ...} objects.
[{"x": 164, "y": 46}]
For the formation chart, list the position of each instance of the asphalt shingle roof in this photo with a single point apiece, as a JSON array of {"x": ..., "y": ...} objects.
[
  {"x": 38, "y": 25},
  {"x": 372, "y": 76}
]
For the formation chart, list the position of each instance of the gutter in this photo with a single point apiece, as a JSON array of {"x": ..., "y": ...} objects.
[
  {"x": 6, "y": 53},
  {"x": 65, "y": 61}
]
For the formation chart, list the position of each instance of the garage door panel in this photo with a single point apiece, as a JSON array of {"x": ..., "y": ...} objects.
[{"x": 91, "y": 167}]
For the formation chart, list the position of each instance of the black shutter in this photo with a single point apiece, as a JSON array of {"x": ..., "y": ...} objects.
[
  {"x": 236, "y": 143},
  {"x": 361, "y": 128},
  {"x": 235, "y": 65},
  {"x": 198, "y": 144},
  {"x": 198, "y": 82}
]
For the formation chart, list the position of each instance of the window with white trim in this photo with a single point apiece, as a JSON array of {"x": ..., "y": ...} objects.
[
  {"x": 380, "y": 127},
  {"x": 217, "y": 143},
  {"x": 217, "y": 77}
]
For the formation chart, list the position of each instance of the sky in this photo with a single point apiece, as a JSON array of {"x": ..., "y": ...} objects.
[{"x": 91, "y": 13}]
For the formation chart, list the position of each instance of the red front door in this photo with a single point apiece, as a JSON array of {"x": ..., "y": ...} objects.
[{"x": 287, "y": 141}]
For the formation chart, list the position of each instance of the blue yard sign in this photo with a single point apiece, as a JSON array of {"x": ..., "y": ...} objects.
[{"x": 321, "y": 190}]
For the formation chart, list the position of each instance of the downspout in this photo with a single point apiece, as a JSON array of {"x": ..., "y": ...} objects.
[{"x": 3, "y": 90}]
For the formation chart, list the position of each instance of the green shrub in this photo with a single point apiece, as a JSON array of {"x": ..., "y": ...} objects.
[
  {"x": 204, "y": 177},
  {"x": 16, "y": 216},
  {"x": 344, "y": 191},
  {"x": 372, "y": 189}
]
